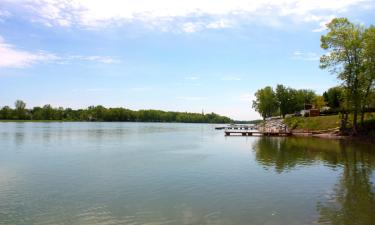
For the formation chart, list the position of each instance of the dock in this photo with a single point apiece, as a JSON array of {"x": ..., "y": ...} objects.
[
  {"x": 255, "y": 133},
  {"x": 245, "y": 130}
]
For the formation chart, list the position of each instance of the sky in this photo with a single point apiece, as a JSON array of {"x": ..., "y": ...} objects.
[{"x": 195, "y": 55}]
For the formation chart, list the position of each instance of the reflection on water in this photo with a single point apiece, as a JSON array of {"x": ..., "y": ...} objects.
[
  {"x": 152, "y": 173},
  {"x": 352, "y": 200}
]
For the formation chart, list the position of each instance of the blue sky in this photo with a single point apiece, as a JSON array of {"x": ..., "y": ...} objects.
[{"x": 169, "y": 55}]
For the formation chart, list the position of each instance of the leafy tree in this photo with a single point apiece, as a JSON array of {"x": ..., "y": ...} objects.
[
  {"x": 266, "y": 102},
  {"x": 283, "y": 98},
  {"x": 334, "y": 97},
  {"x": 6, "y": 113},
  {"x": 319, "y": 102},
  {"x": 369, "y": 69},
  {"x": 344, "y": 41},
  {"x": 20, "y": 109},
  {"x": 48, "y": 112}
]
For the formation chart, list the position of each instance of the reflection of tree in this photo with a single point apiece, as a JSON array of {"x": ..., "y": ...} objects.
[
  {"x": 353, "y": 200},
  {"x": 286, "y": 153},
  {"x": 353, "y": 197}
]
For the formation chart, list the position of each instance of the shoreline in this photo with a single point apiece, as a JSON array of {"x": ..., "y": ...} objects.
[{"x": 331, "y": 134}]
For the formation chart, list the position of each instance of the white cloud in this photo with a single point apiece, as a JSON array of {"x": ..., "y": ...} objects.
[
  {"x": 192, "y": 27},
  {"x": 309, "y": 56},
  {"x": 323, "y": 23},
  {"x": 11, "y": 57},
  {"x": 15, "y": 58},
  {"x": 189, "y": 15},
  {"x": 219, "y": 24},
  {"x": 4, "y": 13}
]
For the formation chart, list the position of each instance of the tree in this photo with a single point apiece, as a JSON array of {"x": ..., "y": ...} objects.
[
  {"x": 344, "y": 41},
  {"x": 319, "y": 102},
  {"x": 20, "y": 109},
  {"x": 334, "y": 97},
  {"x": 48, "y": 112},
  {"x": 369, "y": 69},
  {"x": 100, "y": 113},
  {"x": 283, "y": 99},
  {"x": 266, "y": 102},
  {"x": 6, "y": 113}
]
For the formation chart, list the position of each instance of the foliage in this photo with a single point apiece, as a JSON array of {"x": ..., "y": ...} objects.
[
  {"x": 283, "y": 96},
  {"x": 265, "y": 103},
  {"x": 351, "y": 56},
  {"x": 319, "y": 102},
  {"x": 334, "y": 97},
  {"x": 100, "y": 113},
  {"x": 284, "y": 101}
]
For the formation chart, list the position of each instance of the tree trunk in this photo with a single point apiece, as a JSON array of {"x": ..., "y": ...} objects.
[
  {"x": 344, "y": 121},
  {"x": 355, "y": 124},
  {"x": 362, "y": 117}
]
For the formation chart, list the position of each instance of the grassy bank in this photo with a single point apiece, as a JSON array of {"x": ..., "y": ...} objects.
[
  {"x": 324, "y": 122},
  {"x": 313, "y": 123}
]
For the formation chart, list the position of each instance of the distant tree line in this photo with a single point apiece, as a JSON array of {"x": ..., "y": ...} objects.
[
  {"x": 351, "y": 56},
  {"x": 100, "y": 113}
]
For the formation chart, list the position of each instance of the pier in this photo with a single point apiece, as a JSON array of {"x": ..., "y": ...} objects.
[
  {"x": 246, "y": 130},
  {"x": 255, "y": 133}
]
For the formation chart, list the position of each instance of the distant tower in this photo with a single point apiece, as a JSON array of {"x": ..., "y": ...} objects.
[{"x": 202, "y": 112}]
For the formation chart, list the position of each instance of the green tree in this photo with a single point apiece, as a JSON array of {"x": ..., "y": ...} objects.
[
  {"x": 6, "y": 113},
  {"x": 319, "y": 102},
  {"x": 344, "y": 41},
  {"x": 334, "y": 97},
  {"x": 20, "y": 109},
  {"x": 265, "y": 102},
  {"x": 283, "y": 99},
  {"x": 48, "y": 112},
  {"x": 369, "y": 69}
]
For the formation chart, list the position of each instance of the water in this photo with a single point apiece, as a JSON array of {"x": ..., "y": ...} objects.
[{"x": 152, "y": 173}]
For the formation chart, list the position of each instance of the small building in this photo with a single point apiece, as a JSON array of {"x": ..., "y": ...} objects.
[
  {"x": 314, "y": 112},
  {"x": 310, "y": 112}
]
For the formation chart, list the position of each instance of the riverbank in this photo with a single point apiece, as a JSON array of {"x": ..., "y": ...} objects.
[{"x": 326, "y": 127}]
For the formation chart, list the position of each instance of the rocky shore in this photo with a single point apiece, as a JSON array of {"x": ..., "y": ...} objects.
[{"x": 278, "y": 125}]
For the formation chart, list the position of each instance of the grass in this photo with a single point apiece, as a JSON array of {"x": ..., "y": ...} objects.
[
  {"x": 313, "y": 123},
  {"x": 325, "y": 122}
]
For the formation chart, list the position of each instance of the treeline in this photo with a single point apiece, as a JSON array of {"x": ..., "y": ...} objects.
[
  {"x": 351, "y": 56},
  {"x": 283, "y": 100},
  {"x": 100, "y": 113}
]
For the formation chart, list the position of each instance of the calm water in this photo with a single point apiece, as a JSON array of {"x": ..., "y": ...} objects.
[{"x": 143, "y": 173}]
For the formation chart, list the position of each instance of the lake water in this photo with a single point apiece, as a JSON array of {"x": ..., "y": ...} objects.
[{"x": 153, "y": 173}]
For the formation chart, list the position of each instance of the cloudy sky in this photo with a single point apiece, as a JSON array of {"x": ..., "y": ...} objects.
[{"x": 167, "y": 54}]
